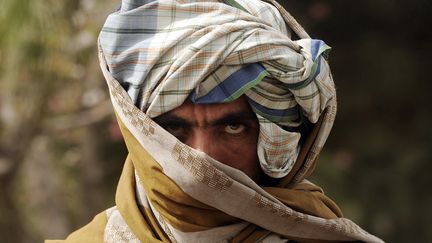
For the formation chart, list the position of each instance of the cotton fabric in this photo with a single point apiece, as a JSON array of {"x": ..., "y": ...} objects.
[
  {"x": 156, "y": 54},
  {"x": 164, "y": 52}
]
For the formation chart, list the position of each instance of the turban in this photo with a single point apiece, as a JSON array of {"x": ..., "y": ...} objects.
[
  {"x": 156, "y": 54},
  {"x": 163, "y": 52}
]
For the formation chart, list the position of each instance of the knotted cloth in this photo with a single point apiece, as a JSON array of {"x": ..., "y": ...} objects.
[
  {"x": 163, "y": 52},
  {"x": 155, "y": 55}
]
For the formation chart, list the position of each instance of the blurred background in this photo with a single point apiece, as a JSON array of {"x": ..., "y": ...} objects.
[{"x": 61, "y": 152}]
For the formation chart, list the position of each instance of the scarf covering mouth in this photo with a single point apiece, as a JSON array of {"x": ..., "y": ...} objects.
[{"x": 156, "y": 54}]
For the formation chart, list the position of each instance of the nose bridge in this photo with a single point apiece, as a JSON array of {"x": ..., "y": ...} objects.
[{"x": 201, "y": 140}]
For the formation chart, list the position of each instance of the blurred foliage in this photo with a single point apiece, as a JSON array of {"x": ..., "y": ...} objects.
[
  {"x": 61, "y": 153},
  {"x": 54, "y": 119}
]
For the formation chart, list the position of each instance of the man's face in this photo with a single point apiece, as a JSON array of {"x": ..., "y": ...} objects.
[{"x": 226, "y": 132}]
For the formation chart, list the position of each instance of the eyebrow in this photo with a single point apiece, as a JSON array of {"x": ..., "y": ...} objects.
[
  {"x": 234, "y": 117},
  {"x": 228, "y": 118},
  {"x": 169, "y": 118}
]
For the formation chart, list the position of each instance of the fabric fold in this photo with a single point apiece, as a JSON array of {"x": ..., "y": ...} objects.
[
  {"x": 155, "y": 55},
  {"x": 164, "y": 52}
]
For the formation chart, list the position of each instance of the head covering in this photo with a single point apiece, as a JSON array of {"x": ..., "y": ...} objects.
[
  {"x": 163, "y": 52},
  {"x": 155, "y": 55}
]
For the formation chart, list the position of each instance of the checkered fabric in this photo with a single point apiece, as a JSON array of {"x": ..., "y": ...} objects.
[{"x": 214, "y": 51}]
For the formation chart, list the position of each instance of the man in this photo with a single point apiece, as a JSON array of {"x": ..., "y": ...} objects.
[
  {"x": 223, "y": 114},
  {"x": 226, "y": 132}
]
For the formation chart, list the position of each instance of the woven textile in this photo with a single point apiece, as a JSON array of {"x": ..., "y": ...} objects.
[
  {"x": 163, "y": 52},
  {"x": 169, "y": 192},
  {"x": 156, "y": 54}
]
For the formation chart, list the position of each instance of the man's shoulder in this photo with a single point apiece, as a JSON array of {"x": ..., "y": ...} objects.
[{"x": 92, "y": 232}]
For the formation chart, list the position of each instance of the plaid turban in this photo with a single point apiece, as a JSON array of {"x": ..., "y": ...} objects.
[{"x": 163, "y": 52}]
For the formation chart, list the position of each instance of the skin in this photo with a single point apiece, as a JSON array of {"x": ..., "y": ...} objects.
[{"x": 226, "y": 132}]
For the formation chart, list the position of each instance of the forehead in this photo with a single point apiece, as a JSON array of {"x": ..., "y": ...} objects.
[{"x": 211, "y": 111}]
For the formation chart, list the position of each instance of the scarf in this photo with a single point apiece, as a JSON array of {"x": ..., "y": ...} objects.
[
  {"x": 163, "y": 52},
  {"x": 156, "y": 54}
]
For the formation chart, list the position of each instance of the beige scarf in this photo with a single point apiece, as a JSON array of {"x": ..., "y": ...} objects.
[{"x": 169, "y": 192}]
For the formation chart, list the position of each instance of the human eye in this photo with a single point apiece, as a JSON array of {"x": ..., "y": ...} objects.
[
  {"x": 235, "y": 128},
  {"x": 177, "y": 126},
  {"x": 175, "y": 129}
]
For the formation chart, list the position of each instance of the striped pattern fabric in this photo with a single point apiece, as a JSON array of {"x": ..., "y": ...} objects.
[
  {"x": 214, "y": 51},
  {"x": 170, "y": 192}
]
